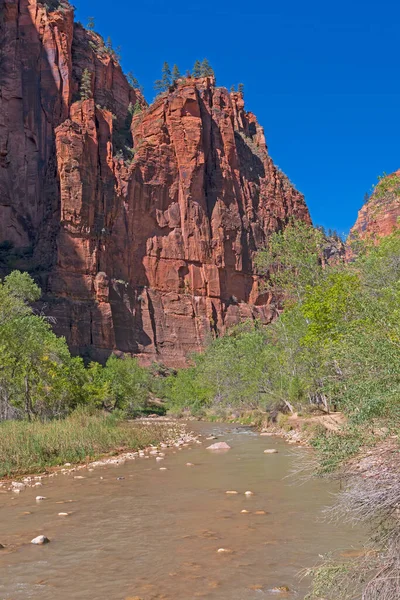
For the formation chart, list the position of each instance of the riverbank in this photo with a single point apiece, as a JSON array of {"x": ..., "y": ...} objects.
[
  {"x": 79, "y": 441},
  {"x": 294, "y": 429}
]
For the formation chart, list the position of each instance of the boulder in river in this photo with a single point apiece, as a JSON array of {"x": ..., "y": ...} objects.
[
  {"x": 219, "y": 446},
  {"x": 39, "y": 498},
  {"x": 40, "y": 539},
  {"x": 270, "y": 451}
]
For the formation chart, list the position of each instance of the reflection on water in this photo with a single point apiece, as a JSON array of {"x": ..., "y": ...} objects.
[{"x": 155, "y": 534}]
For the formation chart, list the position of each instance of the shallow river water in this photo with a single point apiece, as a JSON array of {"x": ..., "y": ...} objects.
[{"x": 155, "y": 533}]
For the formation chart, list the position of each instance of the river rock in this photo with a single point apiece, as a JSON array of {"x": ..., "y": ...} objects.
[
  {"x": 248, "y": 493},
  {"x": 17, "y": 485},
  {"x": 40, "y": 539},
  {"x": 224, "y": 551},
  {"x": 63, "y": 514},
  {"x": 159, "y": 458},
  {"x": 39, "y": 498},
  {"x": 270, "y": 451},
  {"x": 231, "y": 492},
  {"x": 244, "y": 512},
  {"x": 219, "y": 446},
  {"x": 189, "y": 464}
]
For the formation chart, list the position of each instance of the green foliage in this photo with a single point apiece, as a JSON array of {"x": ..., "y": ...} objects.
[
  {"x": 86, "y": 85},
  {"x": 205, "y": 69},
  {"x": 122, "y": 384},
  {"x": 175, "y": 73},
  {"x": 137, "y": 108},
  {"x": 196, "y": 72},
  {"x": 90, "y": 24},
  {"x": 163, "y": 84},
  {"x": 133, "y": 82},
  {"x": 38, "y": 376},
  {"x": 292, "y": 260},
  {"x": 241, "y": 88}
]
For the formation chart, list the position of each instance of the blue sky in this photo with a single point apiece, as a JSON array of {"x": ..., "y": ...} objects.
[{"x": 322, "y": 77}]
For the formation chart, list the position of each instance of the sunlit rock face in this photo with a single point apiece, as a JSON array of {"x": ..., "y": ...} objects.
[
  {"x": 149, "y": 253},
  {"x": 380, "y": 214}
]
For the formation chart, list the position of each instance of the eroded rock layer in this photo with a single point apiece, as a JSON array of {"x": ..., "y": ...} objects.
[{"x": 147, "y": 252}]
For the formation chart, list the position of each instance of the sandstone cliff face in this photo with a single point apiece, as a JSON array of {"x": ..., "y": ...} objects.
[
  {"x": 148, "y": 253},
  {"x": 381, "y": 213}
]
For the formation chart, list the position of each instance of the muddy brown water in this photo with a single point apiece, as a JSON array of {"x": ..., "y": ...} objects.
[{"x": 155, "y": 534}]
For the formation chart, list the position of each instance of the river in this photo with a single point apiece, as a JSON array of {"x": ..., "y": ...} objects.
[{"x": 137, "y": 532}]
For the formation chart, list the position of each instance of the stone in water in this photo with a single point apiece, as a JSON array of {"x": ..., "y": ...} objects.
[
  {"x": 219, "y": 446},
  {"x": 40, "y": 539}
]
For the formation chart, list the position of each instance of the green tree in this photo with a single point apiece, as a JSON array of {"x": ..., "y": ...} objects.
[
  {"x": 133, "y": 82},
  {"x": 196, "y": 69},
  {"x": 241, "y": 88},
  {"x": 175, "y": 73},
  {"x": 38, "y": 377},
  {"x": 205, "y": 69},
  {"x": 109, "y": 46},
  {"x": 292, "y": 260},
  {"x": 137, "y": 108},
  {"x": 163, "y": 84},
  {"x": 86, "y": 85},
  {"x": 91, "y": 24}
]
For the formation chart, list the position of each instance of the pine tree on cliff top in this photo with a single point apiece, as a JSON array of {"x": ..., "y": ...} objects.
[
  {"x": 86, "y": 85},
  {"x": 196, "y": 69},
  {"x": 241, "y": 88},
  {"x": 206, "y": 69},
  {"x": 162, "y": 85},
  {"x": 175, "y": 73}
]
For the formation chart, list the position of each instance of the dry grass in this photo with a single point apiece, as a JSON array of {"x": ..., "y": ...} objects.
[
  {"x": 33, "y": 447},
  {"x": 371, "y": 497}
]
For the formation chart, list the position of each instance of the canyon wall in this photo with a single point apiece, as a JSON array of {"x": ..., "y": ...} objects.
[
  {"x": 141, "y": 230},
  {"x": 380, "y": 215}
]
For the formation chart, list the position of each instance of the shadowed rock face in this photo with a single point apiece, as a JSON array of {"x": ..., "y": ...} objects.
[
  {"x": 150, "y": 255},
  {"x": 380, "y": 214}
]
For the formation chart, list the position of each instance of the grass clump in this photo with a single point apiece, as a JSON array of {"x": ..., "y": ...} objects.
[{"x": 29, "y": 447}]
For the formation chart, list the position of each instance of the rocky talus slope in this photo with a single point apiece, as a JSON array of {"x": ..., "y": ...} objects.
[{"x": 148, "y": 251}]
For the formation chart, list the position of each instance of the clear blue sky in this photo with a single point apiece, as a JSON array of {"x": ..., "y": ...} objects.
[{"x": 323, "y": 78}]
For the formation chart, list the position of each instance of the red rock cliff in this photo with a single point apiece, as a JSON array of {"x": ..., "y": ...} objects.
[
  {"x": 147, "y": 253},
  {"x": 381, "y": 213}
]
